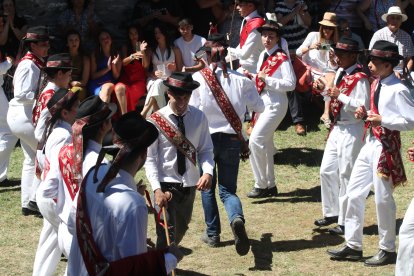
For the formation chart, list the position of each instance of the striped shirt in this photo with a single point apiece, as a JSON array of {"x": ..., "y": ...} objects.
[
  {"x": 293, "y": 32},
  {"x": 347, "y": 9}
]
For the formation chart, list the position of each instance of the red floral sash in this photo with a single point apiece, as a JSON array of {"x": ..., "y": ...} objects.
[
  {"x": 29, "y": 56},
  {"x": 270, "y": 66},
  {"x": 390, "y": 163},
  {"x": 66, "y": 165},
  {"x": 174, "y": 135},
  {"x": 149, "y": 263},
  {"x": 41, "y": 104},
  {"x": 347, "y": 83},
  {"x": 251, "y": 25}
]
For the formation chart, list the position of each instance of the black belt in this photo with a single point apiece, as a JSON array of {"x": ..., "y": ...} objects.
[
  {"x": 219, "y": 135},
  {"x": 177, "y": 189}
]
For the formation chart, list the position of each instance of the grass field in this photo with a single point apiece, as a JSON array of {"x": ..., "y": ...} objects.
[{"x": 283, "y": 237}]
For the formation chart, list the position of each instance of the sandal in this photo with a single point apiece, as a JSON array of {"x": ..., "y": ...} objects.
[{"x": 326, "y": 122}]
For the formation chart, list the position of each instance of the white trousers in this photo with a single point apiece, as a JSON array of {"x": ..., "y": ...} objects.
[
  {"x": 7, "y": 139},
  {"x": 341, "y": 151},
  {"x": 363, "y": 176},
  {"x": 261, "y": 144},
  {"x": 48, "y": 252},
  {"x": 405, "y": 257},
  {"x": 19, "y": 119},
  {"x": 64, "y": 239}
]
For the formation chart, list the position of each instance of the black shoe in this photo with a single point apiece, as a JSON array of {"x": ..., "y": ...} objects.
[
  {"x": 272, "y": 191},
  {"x": 382, "y": 258},
  {"x": 29, "y": 212},
  {"x": 33, "y": 206},
  {"x": 337, "y": 230},
  {"x": 241, "y": 241},
  {"x": 345, "y": 253},
  {"x": 326, "y": 221},
  {"x": 212, "y": 241},
  {"x": 257, "y": 193}
]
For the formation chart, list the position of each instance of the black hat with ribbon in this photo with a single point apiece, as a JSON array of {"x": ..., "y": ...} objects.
[
  {"x": 385, "y": 50},
  {"x": 60, "y": 100},
  {"x": 181, "y": 82},
  {"x": 271, "y": 24},
  {"x": 61, "y": 61},
  {"x": 36, "y": 34},
  {"x": 131, "y": 132},
  {"x": 346, "y": 44}
]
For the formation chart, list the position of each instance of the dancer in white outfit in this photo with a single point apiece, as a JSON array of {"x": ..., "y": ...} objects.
[
  {"x": 19, "y": 117},
  {"x": 345, "y": 136},
  {"x": 62, "y": 107},
  {"x": 379, "y": 161},
  {"x": 275, "y": 77},
  {"x": 7, "y": 139}
]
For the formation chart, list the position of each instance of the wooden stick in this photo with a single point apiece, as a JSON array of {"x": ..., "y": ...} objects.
[{"x": 167, "y": 233}]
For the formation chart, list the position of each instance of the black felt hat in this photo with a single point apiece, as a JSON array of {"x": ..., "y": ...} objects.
[
  {"x": 36, "y": 34},
  {"x": 180, "y": 82},
  {"x": 59, "y": 62},
  {"x": 98, "y": 110},
  {"x": 385, "y": 50},
  {"x": 60, "y": 100},
  {"x": 134, "y": 131},
  {"x": 214, "y": 40},
  {"x": 271, "y": 24},
  {"x": 347, "y": 44},
  {"x": 256, "y": 2}
]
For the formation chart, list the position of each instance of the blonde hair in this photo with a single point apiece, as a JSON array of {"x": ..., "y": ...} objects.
[{"x": 334, "y": 38}]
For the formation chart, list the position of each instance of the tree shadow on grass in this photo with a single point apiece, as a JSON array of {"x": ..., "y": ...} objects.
[
  {"x": 298, "y": 156},
  {"x": 373, "y": 229},
  {"x": 299, "y": 195}
]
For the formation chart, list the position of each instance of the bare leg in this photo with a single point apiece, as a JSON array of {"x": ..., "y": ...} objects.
[
  {"x": 106, "y": 91},
  {"x": 121, "y": 97}
]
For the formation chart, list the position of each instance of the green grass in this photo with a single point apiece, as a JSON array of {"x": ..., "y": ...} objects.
[{"x": 283, "y": 237}]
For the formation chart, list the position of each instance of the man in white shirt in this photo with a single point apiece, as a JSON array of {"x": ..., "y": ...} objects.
[
  {"x": 227, "y": 139},
  {"x": 171, "y": 163},
  {"x": 19, "y": 116},
  {"x": 112, "y": 217},
  {"x": 391, "y": 111},
  {"x": 394, "y": 34},
  {"x": 188, "y": 43},
  {"x": 346, "y": 135}
]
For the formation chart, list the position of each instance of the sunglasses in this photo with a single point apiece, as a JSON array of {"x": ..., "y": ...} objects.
[{"x": 345, "y": 29}]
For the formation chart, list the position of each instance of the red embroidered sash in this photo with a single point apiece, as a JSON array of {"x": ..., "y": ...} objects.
[
  {"x": 250, "y": 25},
  {"x": 66, "y": 165},
  {"x": 347, "y": 84},
  {"x": 223, "y": 101},
  {"x": 41, "y": 104},
  {"x": 30, "y": 56},
  {"x": 149, "y": 263},
  {"x": 390, "y": 162},
  {"x": 270, "y": 66},
  {"x": 174, "y": 135}
]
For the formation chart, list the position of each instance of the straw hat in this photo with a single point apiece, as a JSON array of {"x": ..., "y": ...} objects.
[
  {"x": 329, "y": 19},
  {"x": 394, "y": 10}
]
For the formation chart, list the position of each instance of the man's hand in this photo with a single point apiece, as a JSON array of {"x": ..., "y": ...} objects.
[
  {"x": 161, "y": 199},
  {"x": 318, "y": 85},
  {"x": 360, "y": 112},
  {"x": 375, "y": 119},
  {"x": 261, "y": 75},
  {"x": 204, "y": 183}
]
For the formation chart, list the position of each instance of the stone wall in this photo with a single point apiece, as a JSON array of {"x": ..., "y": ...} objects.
[{"x": 112, "y": 13}]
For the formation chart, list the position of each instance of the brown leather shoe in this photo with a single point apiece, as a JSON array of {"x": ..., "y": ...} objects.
[{"x": 300, "y": 129}]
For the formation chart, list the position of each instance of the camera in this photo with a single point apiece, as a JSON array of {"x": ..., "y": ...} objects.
[{"x": 325, "y": 47}]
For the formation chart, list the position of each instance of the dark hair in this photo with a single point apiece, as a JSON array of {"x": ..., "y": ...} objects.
[
  {"x": 98, "y": 52},
  {"x": 185, "y": 21},
  {"x": 74, "y": 32},
  {"x": 168, "y": 41},
  {"x": 70, "y": 5},
  {"x": 131, "y": 48},
  {"x": 52, "y": 72}
]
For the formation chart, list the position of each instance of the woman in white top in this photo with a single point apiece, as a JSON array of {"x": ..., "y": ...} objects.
[
  {"x": 166, "y": 58},
  {"x": 316, "y": 51}
]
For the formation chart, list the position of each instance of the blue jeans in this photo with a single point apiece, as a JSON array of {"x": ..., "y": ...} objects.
[{"x": 227, "y": 157}]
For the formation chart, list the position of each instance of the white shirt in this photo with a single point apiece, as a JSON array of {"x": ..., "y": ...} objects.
[
  {"x": 189, "y": 48},
  {"x": 395, "y": 105},
  {"x": 281, "y": 81},
  {"x": 359, "y": 96},
  {"x": 25, "y": 82},
  {"x": 60, "y": 136},
  {"x": 241, "y": 92},
  {"x": 161, "y": 164},
  {"x": 119, "y": 220},
  {"x": 317, "y": 59}
]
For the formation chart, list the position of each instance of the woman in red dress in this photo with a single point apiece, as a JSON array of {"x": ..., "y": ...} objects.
[{"x": 135, "y": 64}]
